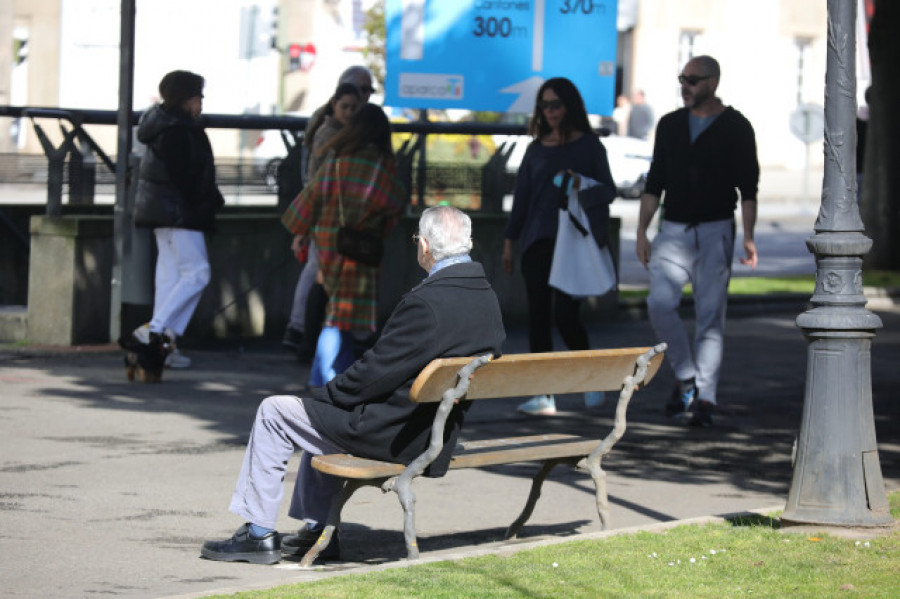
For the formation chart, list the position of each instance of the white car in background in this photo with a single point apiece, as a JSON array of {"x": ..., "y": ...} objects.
[
  {"x": 629, "y": 160},
  {"x": 268, "y": 152}
]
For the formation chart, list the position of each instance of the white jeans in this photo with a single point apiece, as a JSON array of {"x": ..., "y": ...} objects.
[
  {"x": 182, "y": 272},
  {"x": 701, "y": 255}
]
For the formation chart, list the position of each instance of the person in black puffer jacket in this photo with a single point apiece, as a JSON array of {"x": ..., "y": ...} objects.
[{"x": 178, "y": 198}]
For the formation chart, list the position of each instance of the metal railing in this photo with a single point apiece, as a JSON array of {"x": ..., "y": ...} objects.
[{"x": 84, "y": 165}]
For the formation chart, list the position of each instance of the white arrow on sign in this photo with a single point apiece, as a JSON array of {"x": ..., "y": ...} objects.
[
  {"x": 537, "y": 41},
  {"x": 527, "y": 90},
  {"x": 412, "y": 29}
]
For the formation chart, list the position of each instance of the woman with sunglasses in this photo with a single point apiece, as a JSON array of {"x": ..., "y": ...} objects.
[{"x": 563, "y": 143}]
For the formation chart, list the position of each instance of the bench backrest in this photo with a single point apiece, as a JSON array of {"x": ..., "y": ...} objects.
[{"x": 516, "y": 375}]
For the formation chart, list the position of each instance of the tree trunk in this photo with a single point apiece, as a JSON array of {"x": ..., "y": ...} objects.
[{"x": 881, "y": 172}]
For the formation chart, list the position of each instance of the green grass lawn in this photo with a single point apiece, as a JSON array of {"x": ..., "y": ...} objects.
[
  {"x": 747, "y": 557},
  {"x": 805, "y": 284}
]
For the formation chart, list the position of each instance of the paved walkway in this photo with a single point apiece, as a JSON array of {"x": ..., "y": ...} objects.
[{"x": 109, "y": 488}]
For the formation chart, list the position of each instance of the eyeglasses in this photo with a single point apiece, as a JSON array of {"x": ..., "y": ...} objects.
[
  {"x": 692, "y": 80},
  {"x": 416, "y": 237},
  {"x": 550, "y": 104}
]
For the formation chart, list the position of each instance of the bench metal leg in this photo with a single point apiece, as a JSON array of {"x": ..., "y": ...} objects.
[
  {"x": 536, "y": 484},
  {"x": 348, "y": 488},
  {"x": 402, "y": 484},
  {"x": 403, "y": 488},
  {"x": 592, "y": 462}
]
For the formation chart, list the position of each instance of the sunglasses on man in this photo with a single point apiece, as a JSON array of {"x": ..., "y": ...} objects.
[{"x": 692, "y": 80}]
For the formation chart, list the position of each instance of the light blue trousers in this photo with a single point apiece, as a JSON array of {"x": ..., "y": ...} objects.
[
  {"x": 282, "y": 426},
  {"x": 334, "y": 355},
  {"x": 701, "y": 255}
]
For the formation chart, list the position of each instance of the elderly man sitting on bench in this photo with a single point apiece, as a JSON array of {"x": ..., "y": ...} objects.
[{"x": 366, "y": 410}]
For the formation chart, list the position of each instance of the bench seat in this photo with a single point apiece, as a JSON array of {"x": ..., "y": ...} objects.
[{"x": 471, "y": 454}]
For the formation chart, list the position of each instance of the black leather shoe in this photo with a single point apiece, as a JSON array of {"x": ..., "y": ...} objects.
[
  {"x": 298, "y": 544},
  {"x": 703, "y": 414},
  {"x": 242, "y": 548}
]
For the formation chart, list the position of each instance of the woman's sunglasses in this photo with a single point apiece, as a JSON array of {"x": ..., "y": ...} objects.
[{"x": 550, "y": 104}]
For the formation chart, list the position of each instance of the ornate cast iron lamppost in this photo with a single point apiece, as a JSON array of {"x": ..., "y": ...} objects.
[{"x": 837, "y": 476}]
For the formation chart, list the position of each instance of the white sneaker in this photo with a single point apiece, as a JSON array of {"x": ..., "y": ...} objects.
[
  {"x": 176, "y": 359},
  {"x": 142, "y": 333},
  {"x": 594, "y": 399},
  {"x": 539, "y": 405}
]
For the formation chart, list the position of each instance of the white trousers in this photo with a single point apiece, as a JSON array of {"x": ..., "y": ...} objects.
[
  {"x": 701, "y": 255},
  {"x": 182, "y": 272}
]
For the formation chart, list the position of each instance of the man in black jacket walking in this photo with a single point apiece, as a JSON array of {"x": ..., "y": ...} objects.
[
  {"x": 704, "y": 159},
  {"x": 366, "y": 410}
]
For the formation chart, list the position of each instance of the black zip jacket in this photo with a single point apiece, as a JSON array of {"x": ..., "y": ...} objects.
[{"x": 699, "y": 179}]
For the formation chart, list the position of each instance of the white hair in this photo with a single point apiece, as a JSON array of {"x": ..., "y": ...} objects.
[{"x": 448, "y": 231}]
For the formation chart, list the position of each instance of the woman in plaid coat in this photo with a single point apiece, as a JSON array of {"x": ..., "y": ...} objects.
[{"x": 359, "y": 181}]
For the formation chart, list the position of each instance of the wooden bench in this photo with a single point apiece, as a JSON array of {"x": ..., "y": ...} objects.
[{"x": 452, "y": 379}]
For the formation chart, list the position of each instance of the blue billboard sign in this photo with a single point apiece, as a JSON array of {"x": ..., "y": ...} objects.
[{"x": 493, "y": 55}]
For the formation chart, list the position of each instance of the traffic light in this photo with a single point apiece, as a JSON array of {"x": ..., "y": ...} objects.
[{"x": 294, "y": 51}]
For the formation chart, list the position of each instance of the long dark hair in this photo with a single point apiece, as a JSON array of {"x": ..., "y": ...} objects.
[
  {"x": 576, "y": 116},
  {"x": 368, "y": 126},
  {"x": 343, "y": 89}
]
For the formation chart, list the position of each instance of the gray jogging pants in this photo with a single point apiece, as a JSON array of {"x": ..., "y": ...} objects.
[{"x": 699, "y": 254}]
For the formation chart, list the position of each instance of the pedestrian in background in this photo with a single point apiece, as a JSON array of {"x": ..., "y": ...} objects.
[
  {"x": 704, "y": 159},
  {"x": 308, "y": 308},
  {"x": 356, "y": 186},
  {"x": 640, "y": 117},
  {"x": 177, "y": 196},
  {"x": 563, "y": 143},
  {"x": 621, "y": 113}
]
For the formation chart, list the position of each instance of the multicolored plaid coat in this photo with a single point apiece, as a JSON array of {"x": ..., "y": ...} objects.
[{"x": 372, "y": 196}]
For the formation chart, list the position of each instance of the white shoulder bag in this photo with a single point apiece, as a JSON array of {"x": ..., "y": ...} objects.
[{"x": 580, "y": 268}]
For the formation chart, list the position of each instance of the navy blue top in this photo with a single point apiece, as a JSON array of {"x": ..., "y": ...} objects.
[{"x": 535, "y": 206}]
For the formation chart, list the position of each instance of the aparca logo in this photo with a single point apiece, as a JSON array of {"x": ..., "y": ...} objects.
[{"x": 431, "y": 86}]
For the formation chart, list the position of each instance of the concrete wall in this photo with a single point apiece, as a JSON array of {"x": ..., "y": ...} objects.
[
  {"x": 68, "y": 282},
  {"x": 253, "y": 277}
]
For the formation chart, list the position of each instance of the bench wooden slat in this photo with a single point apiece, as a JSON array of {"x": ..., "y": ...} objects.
[
  {"x": 473, "y": 454},
  {"x": 516, "y": 375}
]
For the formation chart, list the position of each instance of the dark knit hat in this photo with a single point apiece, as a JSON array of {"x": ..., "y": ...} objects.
[{"x": 178, "y": 86}]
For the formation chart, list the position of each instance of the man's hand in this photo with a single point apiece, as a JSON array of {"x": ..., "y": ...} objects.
[
  {"x": 507, "y": 256},
  {"x": 748, "y": 216},
  {"x": 642, "y": 249},
  {"x": 649, "y": 205},
  {"x": 750, "y": 252}
]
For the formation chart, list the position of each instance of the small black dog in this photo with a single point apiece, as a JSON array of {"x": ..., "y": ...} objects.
[{"x": 145, "y": 361}]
